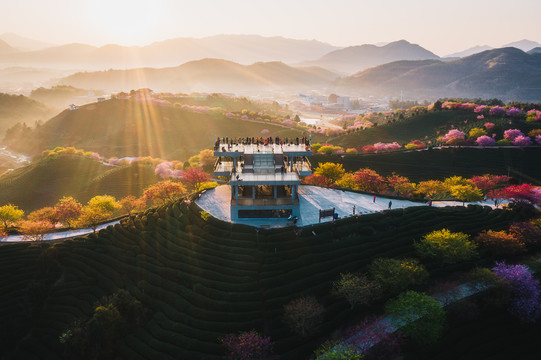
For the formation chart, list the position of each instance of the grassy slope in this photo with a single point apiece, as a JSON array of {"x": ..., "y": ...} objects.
[
  {"x": 201, "y": 280},
  {"x": 438, "y": 164},
  {"x": 129, "y": 128},
  {"x": 19, "y": 108},
  {"x": 426, "y": 125},
  {"x": 44, "y": 181}
]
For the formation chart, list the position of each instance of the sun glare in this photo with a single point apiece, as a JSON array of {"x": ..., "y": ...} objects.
[{"x": 125, "y": 21}]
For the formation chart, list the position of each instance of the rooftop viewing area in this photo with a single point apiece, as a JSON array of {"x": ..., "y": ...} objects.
[{"x": 264, "y": 174}]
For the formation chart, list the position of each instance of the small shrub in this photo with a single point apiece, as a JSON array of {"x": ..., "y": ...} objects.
[
  {"x": 423, "y": 317},
  {"x": 356, "y": 289},
  {"x": 446, "y": 246},
  {"x": 395, "y": 275},
  {"x": 500, "y": 243}
]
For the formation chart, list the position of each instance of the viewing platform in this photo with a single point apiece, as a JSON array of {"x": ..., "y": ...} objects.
[{"x": 264, "y": 174}]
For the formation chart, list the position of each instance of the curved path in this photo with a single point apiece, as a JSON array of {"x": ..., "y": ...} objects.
[
  {"x": 59, "y": 235},
  {"x": 312, "y": 199}
]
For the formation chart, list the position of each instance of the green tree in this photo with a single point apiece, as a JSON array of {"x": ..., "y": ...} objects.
[
  {"x": 304, "y": 315},
  {"x": 446, "y": 246},
  {"x": 10, "y": 214},
  {"x": 356, "y": 289},
  {"x": 466, "y": 193},
  {"x": 92, "y": 216},
  {"x": 394, "y": 275},
  {"x": 422, "y": 317},
  {"x": 331, "y": 171},
  {"x": 106, "y": 203}
]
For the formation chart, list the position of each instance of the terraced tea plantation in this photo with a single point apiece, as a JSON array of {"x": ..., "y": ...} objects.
[{"x": 202, "y": 279}]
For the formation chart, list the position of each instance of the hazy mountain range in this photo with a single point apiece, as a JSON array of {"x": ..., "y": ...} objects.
[
  {"x": 507, "y": 73},
  {"x": 214, "y": 75},
  {"x": 357, "y": 58},
  {"x": 244, "y": 49}
]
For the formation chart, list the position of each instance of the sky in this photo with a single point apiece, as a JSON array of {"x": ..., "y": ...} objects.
[{"x": 442, "y": 27}]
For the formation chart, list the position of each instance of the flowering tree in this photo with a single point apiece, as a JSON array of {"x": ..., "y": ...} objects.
[
  {"x": 415, "y": 144},
  {"x": 466, "y": 193},
  {"x": 331, "y": 171},
  {"x": 164, "y": 191},
  {"x": 35, "y": 230},
  {"x": 500, "y": 243},
  {"x": 453, "y": 137},
  {"x": 525, "y": 193},
  {"x": 356, "y": 289},
  {"x": 526, "y": 232},
  {"x": 318, "y": 180},
  {"x": 422, "y": 315},
  {"x": 522, "y": 141},
  {"x": 485, "y": 141},
  {"x": 479, "y": 109},
  {"x": 247, "y": 345},
  {"x": 513, "y": 111},
  {"x": 193, "y": 177},
  {"x": 10, "y": 214},
  {"x": 489, "y": 182},
  {"x": 446, "y": 246},
  {"x": 368, "y": 149},
  {"x": 496, "y": 110},
  {"x": 430, "y": 188},
  {"x": 131, "y": 203},
  {"x": 511, "y": 134},
  {"x": 476, "y": 132},
  {"x": 526, "y": 301},
  {"x": 107, "y": 203},
  {"x": 46, "y": 214},
  {"x": 92, "y": 216},
  {"x": 68, "y": 210},
  {"x": 304, "y": 315},
  {"x": 401, "y": 185},
  {"x": 347, "y": 181},
  {"x": 369, "y": 180}
]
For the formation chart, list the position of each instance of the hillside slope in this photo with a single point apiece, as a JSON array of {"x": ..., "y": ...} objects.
[
  {"x": 206, "y": 75},
  {"x": 45, "y": 181},
  {"x": 508, "y": 73},
  {"x": 202, "y": 279},
  {"x": 132, "y": 128},
  {"x": 19, "y": 108}
]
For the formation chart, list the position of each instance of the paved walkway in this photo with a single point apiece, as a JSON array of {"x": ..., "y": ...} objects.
[
  {"x": 311, "y": 200},
  {"x": 59, "y": 235}
]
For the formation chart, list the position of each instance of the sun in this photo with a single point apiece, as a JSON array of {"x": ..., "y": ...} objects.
[{"x": 129, "y": 22}]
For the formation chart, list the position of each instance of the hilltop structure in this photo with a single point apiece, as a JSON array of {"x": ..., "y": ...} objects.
[{"x": 264, "y": 174}]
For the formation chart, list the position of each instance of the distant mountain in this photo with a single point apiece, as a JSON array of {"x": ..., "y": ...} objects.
[
  {"x": 524, "y": 45},
  {"x": 245, "y": 49},
  {"x": 473, "y": 50},
  {"x": 213, "y": 75},
  {"x": 506, "y": 73},
  {"x": 5, "y": 48},
  {"x": 535, "y": 50},
  {"x": 22, "y": 43},
  {"x": 357, "y": 58}
]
